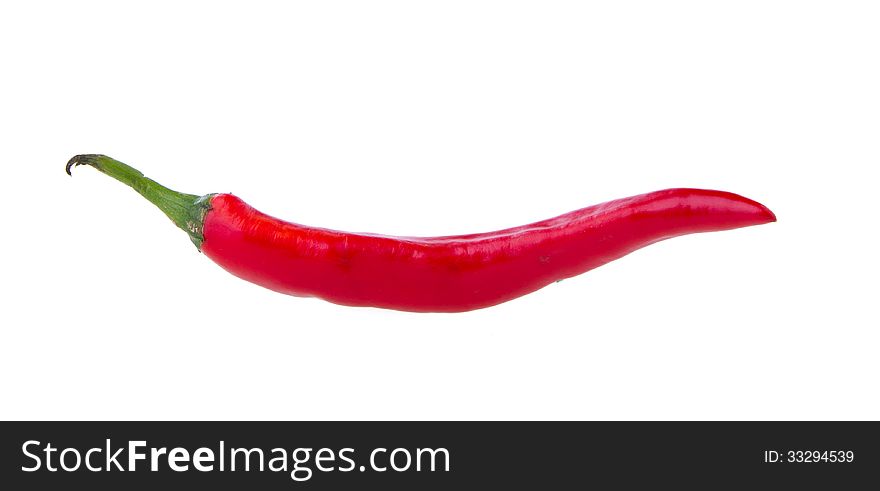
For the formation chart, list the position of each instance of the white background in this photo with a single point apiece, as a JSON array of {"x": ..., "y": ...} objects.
[{"x": 429, "y": 118}]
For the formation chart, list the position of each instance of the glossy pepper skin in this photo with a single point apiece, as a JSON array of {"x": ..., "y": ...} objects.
[{"x": 440, "y": 274}]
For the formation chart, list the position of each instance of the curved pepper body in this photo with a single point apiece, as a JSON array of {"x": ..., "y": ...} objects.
[{"x": 456, "y": 273}]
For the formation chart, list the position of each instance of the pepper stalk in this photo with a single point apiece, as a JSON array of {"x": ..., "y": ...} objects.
[{"x": 187, "y": 211}]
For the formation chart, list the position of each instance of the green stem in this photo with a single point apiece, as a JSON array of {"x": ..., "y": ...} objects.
[{"x": 187, "y": 211}]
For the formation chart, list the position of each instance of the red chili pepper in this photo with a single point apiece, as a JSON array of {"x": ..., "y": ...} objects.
[{"x": 431, "y": 274}]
